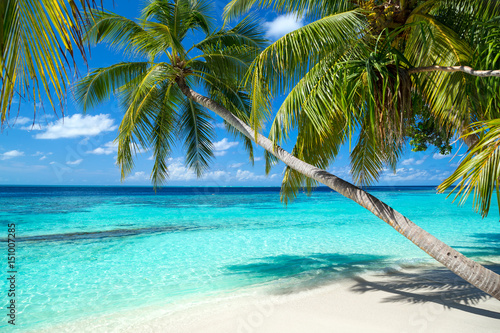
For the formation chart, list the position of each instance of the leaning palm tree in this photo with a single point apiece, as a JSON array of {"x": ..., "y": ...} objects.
[
  {"x": 38, "y": 40},
  {"x": 159, "y": 100}
]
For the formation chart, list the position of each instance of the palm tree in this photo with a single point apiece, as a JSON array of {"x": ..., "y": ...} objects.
[
  {"x": 160, "y": 100},
  {"x": 38, "y": 39}
]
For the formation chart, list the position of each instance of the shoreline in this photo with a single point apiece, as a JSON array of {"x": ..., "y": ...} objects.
[{"x": 411, "y": 299}]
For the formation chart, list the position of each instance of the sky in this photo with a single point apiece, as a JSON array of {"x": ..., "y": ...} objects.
[{"x": 79, "y": 149}]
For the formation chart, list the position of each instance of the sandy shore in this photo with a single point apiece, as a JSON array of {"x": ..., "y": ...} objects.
[{"x": 411, "y": 300}]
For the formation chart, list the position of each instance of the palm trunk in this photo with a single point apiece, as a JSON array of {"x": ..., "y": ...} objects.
[{"x": 469, "y": 270}]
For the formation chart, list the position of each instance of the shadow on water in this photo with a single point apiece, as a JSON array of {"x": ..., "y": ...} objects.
[
  {"x": 436, "y": 285},
  {"x": 490, "y": 246},
  {"x": 306, "y": 272},
  {"x": 115, "y": 233}
]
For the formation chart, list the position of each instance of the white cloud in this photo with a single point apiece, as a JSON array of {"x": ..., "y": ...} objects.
[
  {"x": 438, "y": 156},
  {"x": 220, "y": 153},
  {"x": 412, "y": 161},
  {"x": 44, "y": 155},
  {"x": 108, "y": 149},
  {"x": 342, "y": 172},
  {"x": 257, "y": 159},
  {"x": 236, "y": 165},
  {"x": 245, "y": 175},
  {"x": 111, "y": 147},
  {"x": 75, "y": 162},
  {"x": 222, "y": 146},
  {"x": 78, "y": 125},
  {"x": 152, "y": 157},
  {"x": 282, "y": 25},
  {"x": 422, "y": 160},
  {"x": 138, "y": 176},
  {"x": 409, "y": 174},
  {"x": 217, "y": 175},
  {"x": 11, "y": 154},
  {"x": 178, "y": 171},
  {"x": 408, "y": 161},
  {"x": 404, "y": 174},
  {"x": 22, "y": 120}
]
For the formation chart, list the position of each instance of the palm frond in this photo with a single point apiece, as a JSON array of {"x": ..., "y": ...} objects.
[
  {"x": 37, "y": 42},
  {"x": 195, "y": 124},
  {"x": 479, "y": 171},
  {"x": 284, "y": 63},
  {"x": 99, "y": 84},
  {"x": 180, "y": 16},
  {"x": 162, "y": 136}
]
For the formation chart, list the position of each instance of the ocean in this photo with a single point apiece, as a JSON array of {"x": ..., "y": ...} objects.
[{"x": 85, "y": 252}]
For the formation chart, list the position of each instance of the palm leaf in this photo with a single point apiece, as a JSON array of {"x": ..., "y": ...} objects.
[
  {"x": 479, "y": 171},
  {"x": 37, "y": 41},
  {"x": 195, "y": 124}
]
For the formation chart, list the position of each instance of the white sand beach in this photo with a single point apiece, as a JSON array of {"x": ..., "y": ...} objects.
[{"x": 411, "y": 300}]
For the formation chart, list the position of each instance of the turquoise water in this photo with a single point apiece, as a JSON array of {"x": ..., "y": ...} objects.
[{"x": 84, "y": 252}]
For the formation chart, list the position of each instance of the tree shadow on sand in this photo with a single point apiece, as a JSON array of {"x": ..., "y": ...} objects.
[
  {"x": 431, "y": 285},
  {"x": 297, "y": 273}
]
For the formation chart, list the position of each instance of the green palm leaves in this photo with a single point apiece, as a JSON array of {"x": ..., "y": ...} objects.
[
  {"x": 156, "y": 111},
  {"x": 479, "y": 171},
  {"x": 353, "y": 73},
  {"x": 38, "y": 39}
]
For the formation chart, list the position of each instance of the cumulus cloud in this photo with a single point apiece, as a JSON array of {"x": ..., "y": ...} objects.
[
  {"x": 44, "y": 155},
  {"x": 412, "y": 161},
  {"x": 222, "y": 146},
  {"x": 245, "y": 175},
  {"x": 78, "y": 125},
  {"x": 235, "y": 165},
  {"x": 76, "y": 162},
  {"x": 342, "y": 172},
  {"x": 409, "y": 174},
  {"x": 138, "y": 176},
  {"x": 178, "y": 171},
  {"x": 217, "y": 175},
  {"x": 111, "y": 147},
  {"x": 11, "y": 154},
  {"x": 282, "y": 25},
  {"x": 438, "y": 156},
  {"x": 22, "y": 120},
  {"x": 107, "y": 149},
  {"x": 404, "y": 174}
]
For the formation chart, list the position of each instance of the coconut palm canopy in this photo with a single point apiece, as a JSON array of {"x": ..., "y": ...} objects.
[
  {"x": 38, "y": 42},
  {"x": 156, "y": 111},
  {"x": 381, "y": 73}
]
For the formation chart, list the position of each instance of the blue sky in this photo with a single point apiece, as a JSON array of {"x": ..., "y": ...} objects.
[{"x": 79, "y": 150}]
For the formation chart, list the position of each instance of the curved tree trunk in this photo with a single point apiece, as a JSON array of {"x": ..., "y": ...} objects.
[{"x": 469, "y": 270}]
